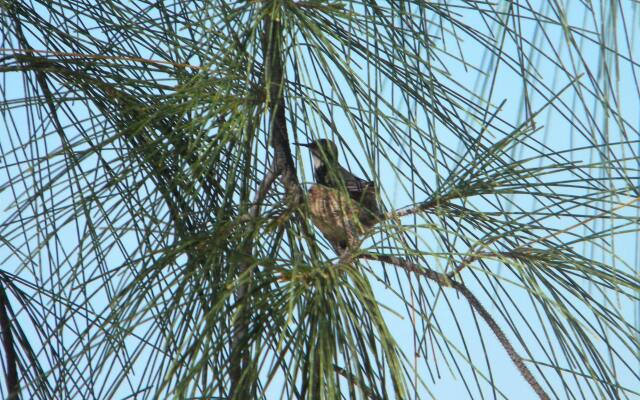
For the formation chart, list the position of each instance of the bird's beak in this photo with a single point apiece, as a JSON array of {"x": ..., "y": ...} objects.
[{"x": 302, "y": 144}]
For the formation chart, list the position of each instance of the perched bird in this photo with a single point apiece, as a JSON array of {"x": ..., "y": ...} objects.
[{"x": 342, "y": 206}]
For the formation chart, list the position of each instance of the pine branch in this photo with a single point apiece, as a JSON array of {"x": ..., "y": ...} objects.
[{"x": 445, "y": 281}]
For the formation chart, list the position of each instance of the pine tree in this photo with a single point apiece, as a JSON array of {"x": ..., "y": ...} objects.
[{"x": 157, "y": 237}]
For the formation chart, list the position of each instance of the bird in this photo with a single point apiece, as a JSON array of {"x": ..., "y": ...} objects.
[{"x": 342, "y": 205}]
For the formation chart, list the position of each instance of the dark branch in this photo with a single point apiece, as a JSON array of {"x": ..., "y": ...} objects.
[
  {"x": 278, "y": 135},
  {"x": 446, "y": 281},
  {"x": 282, "y": 168},
  {"x": 502, "y": 338},
  {"x": 13, "y": 386}
]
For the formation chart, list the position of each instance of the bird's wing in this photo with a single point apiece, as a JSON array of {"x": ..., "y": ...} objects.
[{"x": 353, "y": 183}]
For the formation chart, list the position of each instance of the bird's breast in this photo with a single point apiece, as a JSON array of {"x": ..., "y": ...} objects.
[{"x": 337, "y": 215}]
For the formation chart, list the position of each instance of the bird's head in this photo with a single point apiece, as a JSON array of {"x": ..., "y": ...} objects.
[{"x": 322, "y": 150}]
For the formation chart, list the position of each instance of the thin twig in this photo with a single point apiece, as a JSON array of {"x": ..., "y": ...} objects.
[
  {"x": 413, "y": 210},
  {"x": 264, "y": 188},
  {"x": 354, "y": 380},
  {"x": 463, "y": 264},
  {"x": 61, "y": 54},
  {"x": 446, "y": 281}
]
